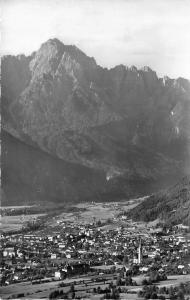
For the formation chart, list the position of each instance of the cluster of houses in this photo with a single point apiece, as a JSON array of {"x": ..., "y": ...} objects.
[{"x": 82, "y": 249}]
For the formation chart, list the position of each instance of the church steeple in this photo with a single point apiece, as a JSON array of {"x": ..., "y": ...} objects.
[{"x": 139, "y": 252}]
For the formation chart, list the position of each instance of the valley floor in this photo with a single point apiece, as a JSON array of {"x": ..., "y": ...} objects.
[{"x": 90, "y": 245}]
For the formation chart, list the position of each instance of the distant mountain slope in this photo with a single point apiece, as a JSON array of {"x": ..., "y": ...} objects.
[
  {"x": 32, "y": 176},
  {"x": 125, "y": 123},
  {"x": 171, "y": 205}
]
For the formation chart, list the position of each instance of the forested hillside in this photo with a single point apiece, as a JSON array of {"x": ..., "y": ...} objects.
[{"x": 171, "y": 205}]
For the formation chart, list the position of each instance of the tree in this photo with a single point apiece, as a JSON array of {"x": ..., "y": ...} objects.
[
  {"x": 128, "y": 280},
  {"x": 140, "y": 294},
  {"x": 125, "y": 260},
  {"x": 154, "y": 277},
  {"x": 115, "y": 294},
  {"x": 154, "y": 296},
  {"x": 147, "y": 295},
  {"x": 145, "y": 282},
  {"x": 180, "y": 295},
  {"x": 118, "y": 281},
  {"x": 72, "y": 288}
]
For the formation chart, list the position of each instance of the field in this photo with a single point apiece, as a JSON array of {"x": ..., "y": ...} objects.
[
  {"x": 84, "y": 287},
  {"x": 17, "y": 207},
  {"x": 92, "y": 212},
  {"x": 9, "y": 223},
  {"x": 82, "y": 213}
]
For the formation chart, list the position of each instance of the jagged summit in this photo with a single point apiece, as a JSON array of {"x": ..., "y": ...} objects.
[
  {"x": 119, "y": 67},
  {"x": 54, "y": 41},
  {"x": 133, "y": 69},
  {"x": 147, "y": 69},
  {"x": 73, "y": 50}
]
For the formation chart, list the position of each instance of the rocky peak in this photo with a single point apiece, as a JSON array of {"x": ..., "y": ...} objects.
[
  {"x": 166, "y": 80},
  {"x": 54, "y": 57},
  {"x": 52, "y": 45},
  {"x": 146, "y": 69},
  {"x": 150, "y": 79},
  {"x": 185, "y": 84},
  {"x": 60, "y": 88},
  {"x": 118, "y": 73},
  {"x": 119, "y": 68}
]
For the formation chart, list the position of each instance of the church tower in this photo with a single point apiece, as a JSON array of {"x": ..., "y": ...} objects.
[{"x": 139, "y": 252}]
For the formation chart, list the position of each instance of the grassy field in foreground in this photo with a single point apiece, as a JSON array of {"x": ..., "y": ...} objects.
[{"x": 43, "y": 290}]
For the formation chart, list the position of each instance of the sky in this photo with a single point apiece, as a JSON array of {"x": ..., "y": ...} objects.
[{"x": 154, "y": 33}]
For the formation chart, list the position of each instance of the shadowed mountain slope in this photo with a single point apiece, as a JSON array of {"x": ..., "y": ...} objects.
[{"x": 171, "y": 205}]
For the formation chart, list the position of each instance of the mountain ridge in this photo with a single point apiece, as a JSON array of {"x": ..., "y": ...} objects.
[{"x": 124, "y": 122}]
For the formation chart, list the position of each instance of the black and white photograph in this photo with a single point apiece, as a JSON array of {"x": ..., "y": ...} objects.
[{"x": 95, "y": 149}]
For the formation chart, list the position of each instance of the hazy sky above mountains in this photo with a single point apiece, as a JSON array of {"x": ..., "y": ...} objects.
[{"x": 132, "y": 32}]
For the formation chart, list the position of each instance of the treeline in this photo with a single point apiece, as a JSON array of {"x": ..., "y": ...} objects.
[
  {"x": 17, "y": 211},
  {"x": 154, "y": 277},
  {"x": 109, "y": 292},
  {"x": 162, "y": 293},
  {"x": 24, "y": 211}
]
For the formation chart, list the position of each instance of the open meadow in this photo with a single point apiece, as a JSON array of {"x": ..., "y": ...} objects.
[
  {"x": 83, "y": 287},
  {"x": 14, "y": 223},
  {"x": 90, "y": 212}
]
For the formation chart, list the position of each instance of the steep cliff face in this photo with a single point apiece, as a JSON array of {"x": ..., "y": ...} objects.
[{"x": 127, "y": 123}]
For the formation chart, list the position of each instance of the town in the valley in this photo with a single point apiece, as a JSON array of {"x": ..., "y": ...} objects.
[{"x": 94, "y": 252}]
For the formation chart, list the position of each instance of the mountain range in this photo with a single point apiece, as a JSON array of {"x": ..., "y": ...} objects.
[{"x": 74, "y": 131}]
